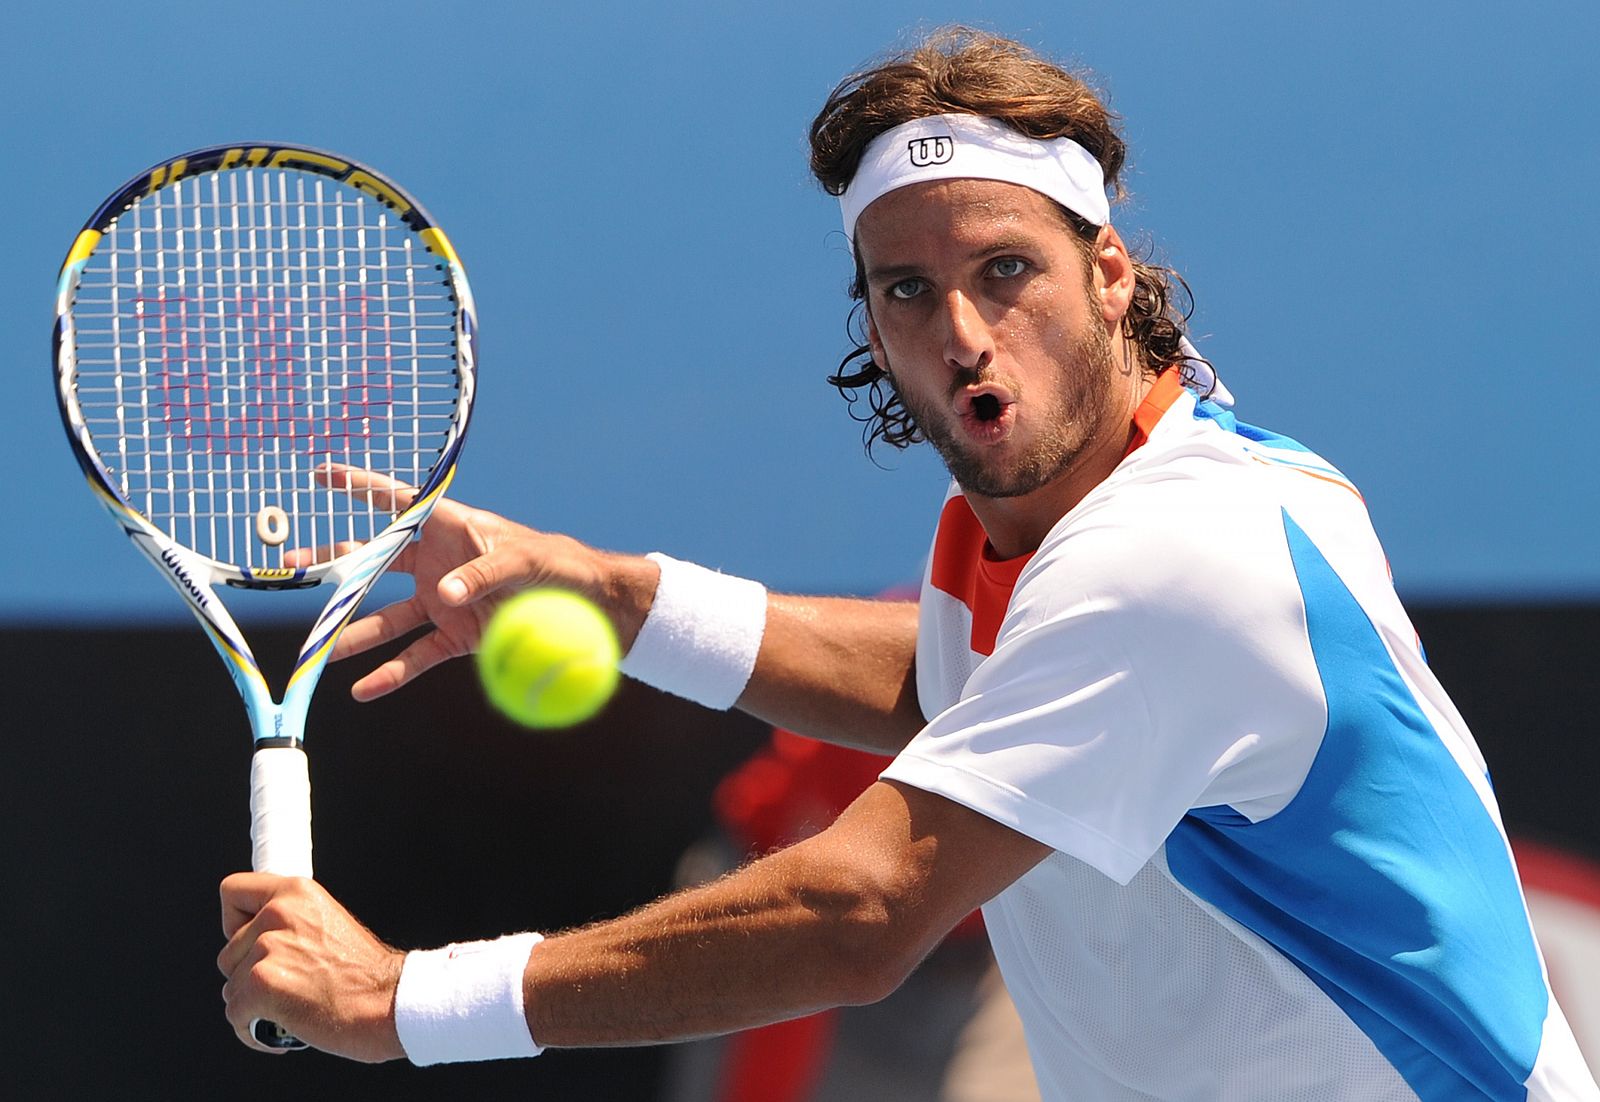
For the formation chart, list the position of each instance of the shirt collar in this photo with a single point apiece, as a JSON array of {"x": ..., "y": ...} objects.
[{"x": 1165, "y": 391}]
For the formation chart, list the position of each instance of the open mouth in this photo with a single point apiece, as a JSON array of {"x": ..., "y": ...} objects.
[
  {"x": 986, "y": 407},
  {"x": 987, "y": 412}
]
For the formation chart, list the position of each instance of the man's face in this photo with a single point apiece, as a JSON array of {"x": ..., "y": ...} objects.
[{"x": 981, "y": 305}]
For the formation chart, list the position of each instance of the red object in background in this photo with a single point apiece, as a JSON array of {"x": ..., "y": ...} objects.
[
  {"x": 791, "y": 789},
  {"x": 781, "y": 1062},
  {"x": 1555, "y": 870}
]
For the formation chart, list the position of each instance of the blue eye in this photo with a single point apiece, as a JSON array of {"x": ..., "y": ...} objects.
[
  {"x": 906, "y": 288},
  {"x": 1009, "y": 267}
]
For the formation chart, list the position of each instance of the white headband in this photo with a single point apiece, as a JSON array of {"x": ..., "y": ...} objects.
[{"x": 969, "y": 147}]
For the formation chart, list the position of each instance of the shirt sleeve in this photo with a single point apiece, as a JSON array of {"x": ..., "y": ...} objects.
[{"x": 1145, "y": 667}]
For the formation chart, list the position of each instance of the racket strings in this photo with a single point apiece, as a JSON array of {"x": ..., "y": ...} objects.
[{"x": 238, "y": 331}]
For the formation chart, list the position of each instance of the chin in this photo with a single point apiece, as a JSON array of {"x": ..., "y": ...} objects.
[
  {"x": 1016, "y": 479},
  {"x": 1001, "y": 484}
]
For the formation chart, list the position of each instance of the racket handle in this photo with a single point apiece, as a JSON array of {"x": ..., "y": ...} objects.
[
  {"x": 280, "y": 839},
  {"x": 280, "y": 811}
]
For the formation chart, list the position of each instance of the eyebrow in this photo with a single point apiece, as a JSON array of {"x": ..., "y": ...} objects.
[{"x": 894, "y": 272}]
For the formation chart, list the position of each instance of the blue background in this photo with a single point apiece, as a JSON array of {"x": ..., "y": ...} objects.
[{"x": 1385, "y": 212}]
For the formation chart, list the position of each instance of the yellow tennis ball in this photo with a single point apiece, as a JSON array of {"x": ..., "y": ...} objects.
[{"x": 548, "y": 658}]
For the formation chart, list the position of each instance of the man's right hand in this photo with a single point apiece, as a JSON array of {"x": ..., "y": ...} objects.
[{"x": 464, "y": 564}]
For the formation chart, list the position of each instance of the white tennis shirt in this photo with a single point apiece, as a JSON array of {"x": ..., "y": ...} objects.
[{"x": 1279, "y": 870}]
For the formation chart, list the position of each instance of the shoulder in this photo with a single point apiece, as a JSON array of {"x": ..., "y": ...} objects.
[
  {"x": 1182, "y": 567},
  {"x": 1197, "y": 520},
  {"x": 1185, "y": 536}
]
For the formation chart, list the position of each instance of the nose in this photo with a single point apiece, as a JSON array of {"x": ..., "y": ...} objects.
[{"x": 969, "y": 342}]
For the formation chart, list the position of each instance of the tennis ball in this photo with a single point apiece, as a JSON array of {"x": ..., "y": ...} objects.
[{"x": 548, "y": 658}]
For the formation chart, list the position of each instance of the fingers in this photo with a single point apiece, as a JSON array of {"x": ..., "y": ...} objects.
[
  {"x": 383, "y": 491},
  {"x": 249, "y": 927},
  {"x": 306, "y": 556},
  {"x": 388, "y": 623},
  {"x": 507, "y": 565},
  {"x": 248, "y": 924},
  {"x": 409, "y": 664},
  {"x": 257, "y": 916},
  {"x": 245, "y": 995},
  {"x": 254, "y": 903}
]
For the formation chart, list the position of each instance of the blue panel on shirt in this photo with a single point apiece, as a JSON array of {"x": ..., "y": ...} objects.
[
  {"x": 1270, "y": 438},
  {"x": 1385, "y": 880},
  {"x": 1207, "y": 410}
]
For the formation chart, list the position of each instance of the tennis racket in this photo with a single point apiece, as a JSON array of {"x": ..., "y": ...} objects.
[{"x": 232, "y": 326}]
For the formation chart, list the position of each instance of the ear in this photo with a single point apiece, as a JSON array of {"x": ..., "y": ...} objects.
[
  {"x": 875, "y": 342},
  {"x": 1113, "y": 275}
]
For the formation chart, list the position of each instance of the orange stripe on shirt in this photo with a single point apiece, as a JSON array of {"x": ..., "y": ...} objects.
[
  {"x": 963, "y": 568},
  {"x": 1157, "y": 400},
  {"x": 1339, "y": 482}
]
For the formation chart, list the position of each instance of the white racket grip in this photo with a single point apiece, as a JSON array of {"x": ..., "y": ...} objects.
[{"x": 280, "y": 811}]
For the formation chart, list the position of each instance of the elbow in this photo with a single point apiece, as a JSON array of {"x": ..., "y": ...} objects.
[
  {"x": 876, "y": 937},
  {"x": 877, "y": 978}
]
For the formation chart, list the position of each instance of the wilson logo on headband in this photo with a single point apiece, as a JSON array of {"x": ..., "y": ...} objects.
[
  {"x": 930, "y": 151},
  {"x": 970, "y": 147}
]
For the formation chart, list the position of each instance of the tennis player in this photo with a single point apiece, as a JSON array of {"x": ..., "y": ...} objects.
[{"x": 1158, "y": 710}]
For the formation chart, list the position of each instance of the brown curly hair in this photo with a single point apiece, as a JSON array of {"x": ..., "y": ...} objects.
[{"x": 961, "y": 70}]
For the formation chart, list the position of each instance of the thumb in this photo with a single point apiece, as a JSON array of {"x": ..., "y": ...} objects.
[
  {"x": 475, "y": 580},
  {"x": 243, "y": 895}
]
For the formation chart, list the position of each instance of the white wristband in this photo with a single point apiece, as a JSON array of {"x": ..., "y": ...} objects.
[
  {"x": 464, "y": 1002},
  {"x": 702, "y": 634}
]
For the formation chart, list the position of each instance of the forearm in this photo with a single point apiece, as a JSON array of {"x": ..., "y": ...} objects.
[
  {"x": 839, "y": 670},
  {"x": 781, "y": 938},
  {"x": 830, "y": 668}
]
